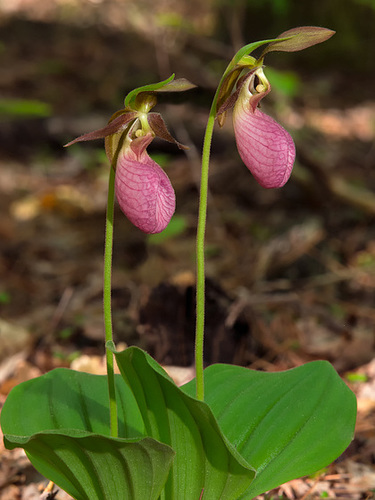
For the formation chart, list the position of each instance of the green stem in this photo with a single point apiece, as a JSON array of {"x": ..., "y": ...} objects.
[
  {"x": 107, "y": 304},
  {"x": 201, "y": 230}
]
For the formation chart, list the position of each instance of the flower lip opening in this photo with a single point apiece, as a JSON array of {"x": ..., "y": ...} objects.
[{"x": 258, "y": 82}]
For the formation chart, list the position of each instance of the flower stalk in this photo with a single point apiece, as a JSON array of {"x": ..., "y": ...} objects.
[
  {"x": 107, "y": 304},
  {"x": 200, "y": 244}
]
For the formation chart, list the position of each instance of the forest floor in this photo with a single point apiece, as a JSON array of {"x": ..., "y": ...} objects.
[{"x": 291, "y": 272}]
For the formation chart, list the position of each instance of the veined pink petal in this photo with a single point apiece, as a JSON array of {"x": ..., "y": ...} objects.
[
  {"x": 143, "y": 190},
  {"x": 265, "y": 147}
]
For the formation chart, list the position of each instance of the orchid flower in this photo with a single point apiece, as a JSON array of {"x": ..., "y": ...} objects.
[
  {"x": 264, "y": 146},
  {"x": 143, "y": 190}
]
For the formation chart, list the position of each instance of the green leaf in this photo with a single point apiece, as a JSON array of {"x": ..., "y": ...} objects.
[
  {"x": 297, "y": 39},
  {"x": 177, "y": 226},
  {"x": 64, "y": 429},
  {"x": 286, "y": 82},
  {"x": 356, "y": 377},
  {"x": 62, "y": 421},
  {"x": 5, "y": 298},
  {"x": 287, "y": 424},
  {"x": 98, "y": 467},
  {"x": 23, "y": 108},
  {"x": 204, "y": 460}
]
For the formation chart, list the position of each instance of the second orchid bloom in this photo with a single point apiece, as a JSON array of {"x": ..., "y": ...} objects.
[{"x": 265, "y": 147}]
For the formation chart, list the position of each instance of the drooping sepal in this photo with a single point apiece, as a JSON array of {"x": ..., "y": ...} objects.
[
  {"x": 113, "y": 142},
  {"x": 224, "y": 94},
  {"x": 118, "y": 124},
  {"x": 159, "y": 128}
]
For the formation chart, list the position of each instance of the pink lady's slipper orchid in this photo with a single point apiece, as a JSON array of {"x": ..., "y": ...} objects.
[
  {"x": 142, "y": 188},
  {"x": 265, "y": 147}
]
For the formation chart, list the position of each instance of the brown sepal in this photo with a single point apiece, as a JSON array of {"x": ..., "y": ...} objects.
[
  {"x": 113, "y": 126},
  {"x": 226, "y": 88},
  {"x": 226, "y": 106},
  {"x": 159, "y": 128},
  {"x": 231, "y": 100}
]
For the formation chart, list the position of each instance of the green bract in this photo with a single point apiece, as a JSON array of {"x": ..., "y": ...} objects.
[{"x": 290, "y": 41}]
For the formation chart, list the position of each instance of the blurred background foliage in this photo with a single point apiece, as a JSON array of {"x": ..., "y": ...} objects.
[
  {"x": 133, "y": 42},
  {"x": 66, "y": 66}
]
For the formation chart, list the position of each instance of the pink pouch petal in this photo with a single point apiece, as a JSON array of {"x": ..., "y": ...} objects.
[
  {"x": 143, "y": 191},
  {"x": 265, "y": 147}
]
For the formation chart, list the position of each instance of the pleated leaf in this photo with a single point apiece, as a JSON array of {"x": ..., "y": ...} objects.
[
  {"x": 61, "y": 420},
  {"x": 63, "y": 426},
  {"x": 286, "y": 424},
  {"x": 98, "y": 467},
  {"x": 205, "y": 460}
]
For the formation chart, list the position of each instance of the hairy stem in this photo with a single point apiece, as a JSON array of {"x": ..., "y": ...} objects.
[
  {"x": 201, "y": 230},
  {"x": 107, "y": 304}
]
